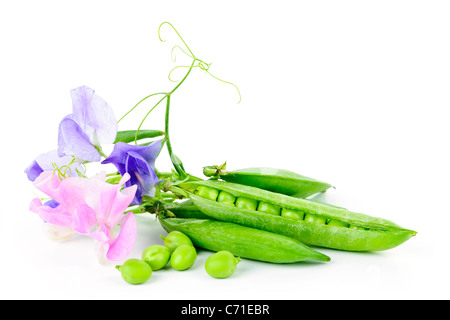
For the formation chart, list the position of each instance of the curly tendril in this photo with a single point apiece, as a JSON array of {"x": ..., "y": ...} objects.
[
  {"x": 62, "y": 171},
  {"x": 62, "y": 174},
  {"x": 196, "y": 63}
]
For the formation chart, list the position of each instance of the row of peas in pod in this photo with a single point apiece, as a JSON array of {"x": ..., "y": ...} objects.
[{"x": 179, "y": 251}]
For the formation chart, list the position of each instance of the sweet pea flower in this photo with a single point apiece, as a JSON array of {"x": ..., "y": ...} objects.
[
  {"x": 91, "y": 124},
  {"x": 139, "y": 163},
  {"x": 91, "y": 207},
  {"x": 50, "y": 161}
]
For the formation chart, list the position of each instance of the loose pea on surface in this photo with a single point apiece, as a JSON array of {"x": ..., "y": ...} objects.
[
  {"x": 156, "y": 256},
  {"x": 221, "y": 265},
  {"x": 174, "y": 239},
  {"x": 183, "y": 257},
  {"x": 135, "y": 271}
]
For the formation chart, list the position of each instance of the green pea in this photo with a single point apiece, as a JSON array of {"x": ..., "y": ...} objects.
[
  {"x": 292, "y": 214},
  {"x": 315, "y": 219},
  {"x": 225, "y": 197},
  {"x": 156, "y": 256},
  {"x": 221, "y": 265},
  {"x": 174, "y": 239},
  {"x": 183, "y": 257},
  {"x": 269, "y": 208},
  {"x": 207, "y": 193},
  {"x": 337, "y": 223},
  {"x": 246, "y": 203},
  {"x": 135, "y": 271}
]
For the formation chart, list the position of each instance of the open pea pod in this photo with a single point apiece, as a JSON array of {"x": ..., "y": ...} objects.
[
  {"x": 310, "y": 222},
  {"x": 242, "y": 241},
  {"x": 271, "y": 179}
]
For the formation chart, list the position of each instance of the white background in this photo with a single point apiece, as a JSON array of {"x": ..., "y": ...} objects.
[{"x": 354, "y": 93}]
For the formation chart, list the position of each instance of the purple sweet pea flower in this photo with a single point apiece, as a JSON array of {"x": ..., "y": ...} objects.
[
  {"x": 47, "y": 161},
  {"x": 91, "y": 124},
  {"x": 139, "y": 163}
]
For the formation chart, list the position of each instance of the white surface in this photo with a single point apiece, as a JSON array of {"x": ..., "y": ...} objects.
[{"x": 354, "y": 93}]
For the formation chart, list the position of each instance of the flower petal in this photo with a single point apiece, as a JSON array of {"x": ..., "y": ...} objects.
[
  {"x": 48, "y": 161},
  {"x": 124, "y": 243},
  {"x": 33, "y": 170},
  {"x": 73, "y": 141},
  {"x": 121, "y": 202},
  {"x": 94, "y": 115},
  {"x": 83, "y": 219},
  {"x": 59, "y": 215}
]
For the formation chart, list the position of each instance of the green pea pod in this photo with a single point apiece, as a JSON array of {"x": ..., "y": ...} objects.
[
  {"x": 242, "y": 241},
  {"x": 186, "y": 209},
  {"x": 310, "y": 222},
  {"x": 130, "y": 135},
  {"x": 275, "y": 180}
]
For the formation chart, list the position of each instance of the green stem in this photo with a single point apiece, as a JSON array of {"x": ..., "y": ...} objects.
[
  {"x": 173, "y": 158},
  {"x": 151, "y": 95},
  {"x": 184, "y": 78}
]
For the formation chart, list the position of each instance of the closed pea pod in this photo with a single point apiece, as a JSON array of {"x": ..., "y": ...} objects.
[
  {"x": 132, "y": 135},
  {"x": 271, "y": 179},
  {"x": 242, "y": 241},
  {"x": 365, "y": 233}
]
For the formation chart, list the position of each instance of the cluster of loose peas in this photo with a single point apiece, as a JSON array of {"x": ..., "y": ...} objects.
[{"x": 179, "y": 250}]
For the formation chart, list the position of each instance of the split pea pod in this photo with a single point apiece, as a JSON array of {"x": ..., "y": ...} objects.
[
  {"x": 242, "y": 241},
  {"x": 271, "y": 179},
  {"x": 309, "y": 222}
]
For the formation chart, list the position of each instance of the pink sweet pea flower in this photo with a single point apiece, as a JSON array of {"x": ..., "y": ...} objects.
[{"x": 91, "y": 207}]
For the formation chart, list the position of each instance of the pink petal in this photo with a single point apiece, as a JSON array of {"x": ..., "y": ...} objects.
[
  {"x": 102, "y": 234},
  {"x": 84, "y": 219},
  {"x": 124, "y": 243},
  {"x": 121, "y": 202},
  {"x": 48, "y": 183},
  {"x": 59, "y": 215}
]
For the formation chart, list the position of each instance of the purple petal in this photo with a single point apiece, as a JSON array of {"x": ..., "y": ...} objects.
[
  {"x": 33, "y": 171},
  {"x": 72, "y": 140},
  {"x": 150, "y": 153},
  {"x": 94, "y": 116},
  {"x": 51, "y": 203},
  {"x": 139, "y": 162}
]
